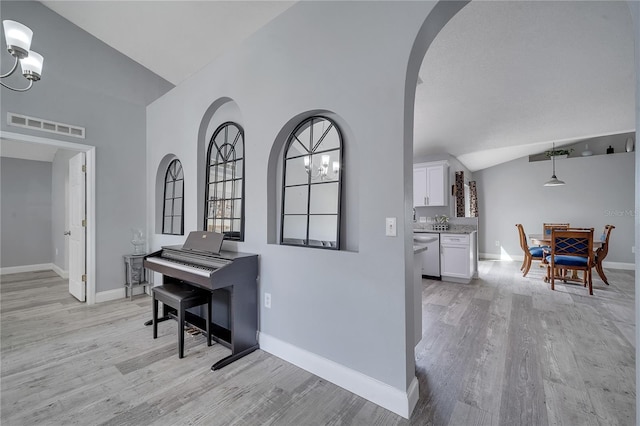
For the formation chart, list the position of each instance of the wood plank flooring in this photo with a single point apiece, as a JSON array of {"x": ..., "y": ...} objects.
[{"x": 503, "y": 350}]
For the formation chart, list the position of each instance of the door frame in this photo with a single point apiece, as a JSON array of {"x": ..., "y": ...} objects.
[{"x": 90, "y": 152}]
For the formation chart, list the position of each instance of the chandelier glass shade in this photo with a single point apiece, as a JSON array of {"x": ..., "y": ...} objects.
[{"x": 18, "y": 39}]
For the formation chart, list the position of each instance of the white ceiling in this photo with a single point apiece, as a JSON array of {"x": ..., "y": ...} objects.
[
  {"x": 502, "y": 80},
  {"x": 174, "y": 39},
  {"x": 506, "y": 79}
]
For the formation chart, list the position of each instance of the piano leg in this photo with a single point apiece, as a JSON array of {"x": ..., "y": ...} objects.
[
  {"x": 228, "y": 360},
  {"x": 164, "y": 317}
]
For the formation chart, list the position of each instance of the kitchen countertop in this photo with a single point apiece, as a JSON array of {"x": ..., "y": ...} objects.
[{"x": 453, "y": 229}]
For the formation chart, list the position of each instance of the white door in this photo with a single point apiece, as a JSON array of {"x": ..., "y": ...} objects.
[{"x": 77, "y": 238}]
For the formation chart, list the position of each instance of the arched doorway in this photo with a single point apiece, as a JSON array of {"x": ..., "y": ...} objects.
[{"x": 411, "y": 84}]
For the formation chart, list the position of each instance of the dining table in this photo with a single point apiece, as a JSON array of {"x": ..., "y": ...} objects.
[{"x": 545, "y": 240}]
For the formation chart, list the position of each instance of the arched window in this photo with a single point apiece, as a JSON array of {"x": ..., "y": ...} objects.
[
  {"x": 311, "y": 185},
  {"x": 224, "y": 193},
  {"x": 173, "y": 222}
]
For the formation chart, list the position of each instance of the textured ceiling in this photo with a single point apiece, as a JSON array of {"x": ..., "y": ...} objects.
[
  {"x": 502, "y": 80},
  {"x": 506, "y": 79}
]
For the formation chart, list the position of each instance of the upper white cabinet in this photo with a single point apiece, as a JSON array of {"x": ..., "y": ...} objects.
[
  {"x": 419, "y": 186},
  {"x": 430, "y": 183}
]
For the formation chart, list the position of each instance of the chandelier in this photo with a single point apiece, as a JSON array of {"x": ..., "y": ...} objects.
[
  {"x": 18, "y": 38},
  {"x": 322, "y": 171}
]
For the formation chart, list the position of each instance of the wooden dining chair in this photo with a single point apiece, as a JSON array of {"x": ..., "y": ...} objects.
[
  {"x": 547, "y": 227},
  {"x": 530, "y": 253},
  {"x": 602, "y": 251},
  {"x": 571, "y": 250}
]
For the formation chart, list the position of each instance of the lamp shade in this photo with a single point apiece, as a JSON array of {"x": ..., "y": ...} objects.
[
  {"x": 32, "y": 66},
  {"x": 18, "y": 38},
  {"x": 554, "y": 181}
]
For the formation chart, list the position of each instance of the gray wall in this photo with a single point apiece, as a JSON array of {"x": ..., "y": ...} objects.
[
  {"x": 635, "y": 13},
  {"x": 347, "y": 306},
  {"x": 599, "y": 190},
  {"x": 87, "y": 83},
  {"x": 26, "y": 212}
]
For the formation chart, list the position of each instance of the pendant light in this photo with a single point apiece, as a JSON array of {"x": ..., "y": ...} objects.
[{"x": 554, "y": 181}]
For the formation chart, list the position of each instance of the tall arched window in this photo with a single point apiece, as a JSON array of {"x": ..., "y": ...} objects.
[
  {"x": 311, "y": 185},
  {"x": 224, "y": 193},
  {"x": 173, "y": 219}
]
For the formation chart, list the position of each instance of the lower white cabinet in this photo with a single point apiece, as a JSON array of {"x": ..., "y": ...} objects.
[{"x": 458, "y": 261}]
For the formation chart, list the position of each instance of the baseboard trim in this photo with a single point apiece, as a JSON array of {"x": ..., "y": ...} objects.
[
  {"x": 106, "y": 296},
  {"x": 493, "y": 256},
  {"x": 619, "y": 265},
  {"x": 63, "y": 274},
  {"x": 26, "y": 268},
  {"x": 612, "y": 265},
  {"x": 388, "y": 397}
]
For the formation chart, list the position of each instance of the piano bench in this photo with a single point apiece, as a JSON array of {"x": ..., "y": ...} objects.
[{"x": 181, "y": 297}]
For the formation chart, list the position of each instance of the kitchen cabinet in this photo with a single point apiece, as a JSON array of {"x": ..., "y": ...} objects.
[
  {"x": 458, "y": 257},
  {"x": 429, "y": 184}
]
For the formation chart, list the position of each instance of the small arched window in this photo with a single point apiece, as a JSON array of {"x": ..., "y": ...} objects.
[
  {"x": 311, "y": 185},
  {"x": 173, "y": 219},
  {"x": 224, "y": 193}
]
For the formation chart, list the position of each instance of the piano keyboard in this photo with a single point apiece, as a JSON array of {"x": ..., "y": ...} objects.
[{"x": 204, "y": 271}]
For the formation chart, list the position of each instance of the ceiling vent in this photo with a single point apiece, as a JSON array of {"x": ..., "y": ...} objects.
[{"x": 33, "y": 123}]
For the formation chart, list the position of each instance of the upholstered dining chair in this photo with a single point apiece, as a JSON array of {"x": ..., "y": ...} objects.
[
  {"x": 547, "y": 227},
  {"x": 571, "y": 249},
  {"x": 602, "y": 251},
  {"x": 530, "y": 253}
]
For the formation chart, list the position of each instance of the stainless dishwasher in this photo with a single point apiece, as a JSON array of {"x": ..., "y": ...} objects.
[{"x": 431, "y": 257}]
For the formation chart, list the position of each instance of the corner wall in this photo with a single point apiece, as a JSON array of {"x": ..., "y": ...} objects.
[
  {"x": 346, "y": 308},
  {"x": 87, "y": 83}
]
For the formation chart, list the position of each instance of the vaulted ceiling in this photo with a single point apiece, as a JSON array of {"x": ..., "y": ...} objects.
[
  {"x": 505, "y": 79},
  {"x": 502, "y": 80}
]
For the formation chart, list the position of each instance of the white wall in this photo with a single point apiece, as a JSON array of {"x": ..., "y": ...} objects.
[{"x": 599, "y": 190}]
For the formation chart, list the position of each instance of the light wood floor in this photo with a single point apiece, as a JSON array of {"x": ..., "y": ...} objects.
[{"x": 503, "y": 350}]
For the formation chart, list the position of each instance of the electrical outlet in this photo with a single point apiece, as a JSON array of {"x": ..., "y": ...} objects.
[
  {"x": 497, "y": 243},
  {"x": 391, "y": 227},
  {"x": 423, "y": 219},
  {"x": 267, "y": 300}
]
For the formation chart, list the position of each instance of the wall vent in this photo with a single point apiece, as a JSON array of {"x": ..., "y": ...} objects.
[{"x": 34, "y": 123}]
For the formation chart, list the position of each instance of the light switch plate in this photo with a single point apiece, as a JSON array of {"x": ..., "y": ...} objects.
[{"x": 391, "y": 227}]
